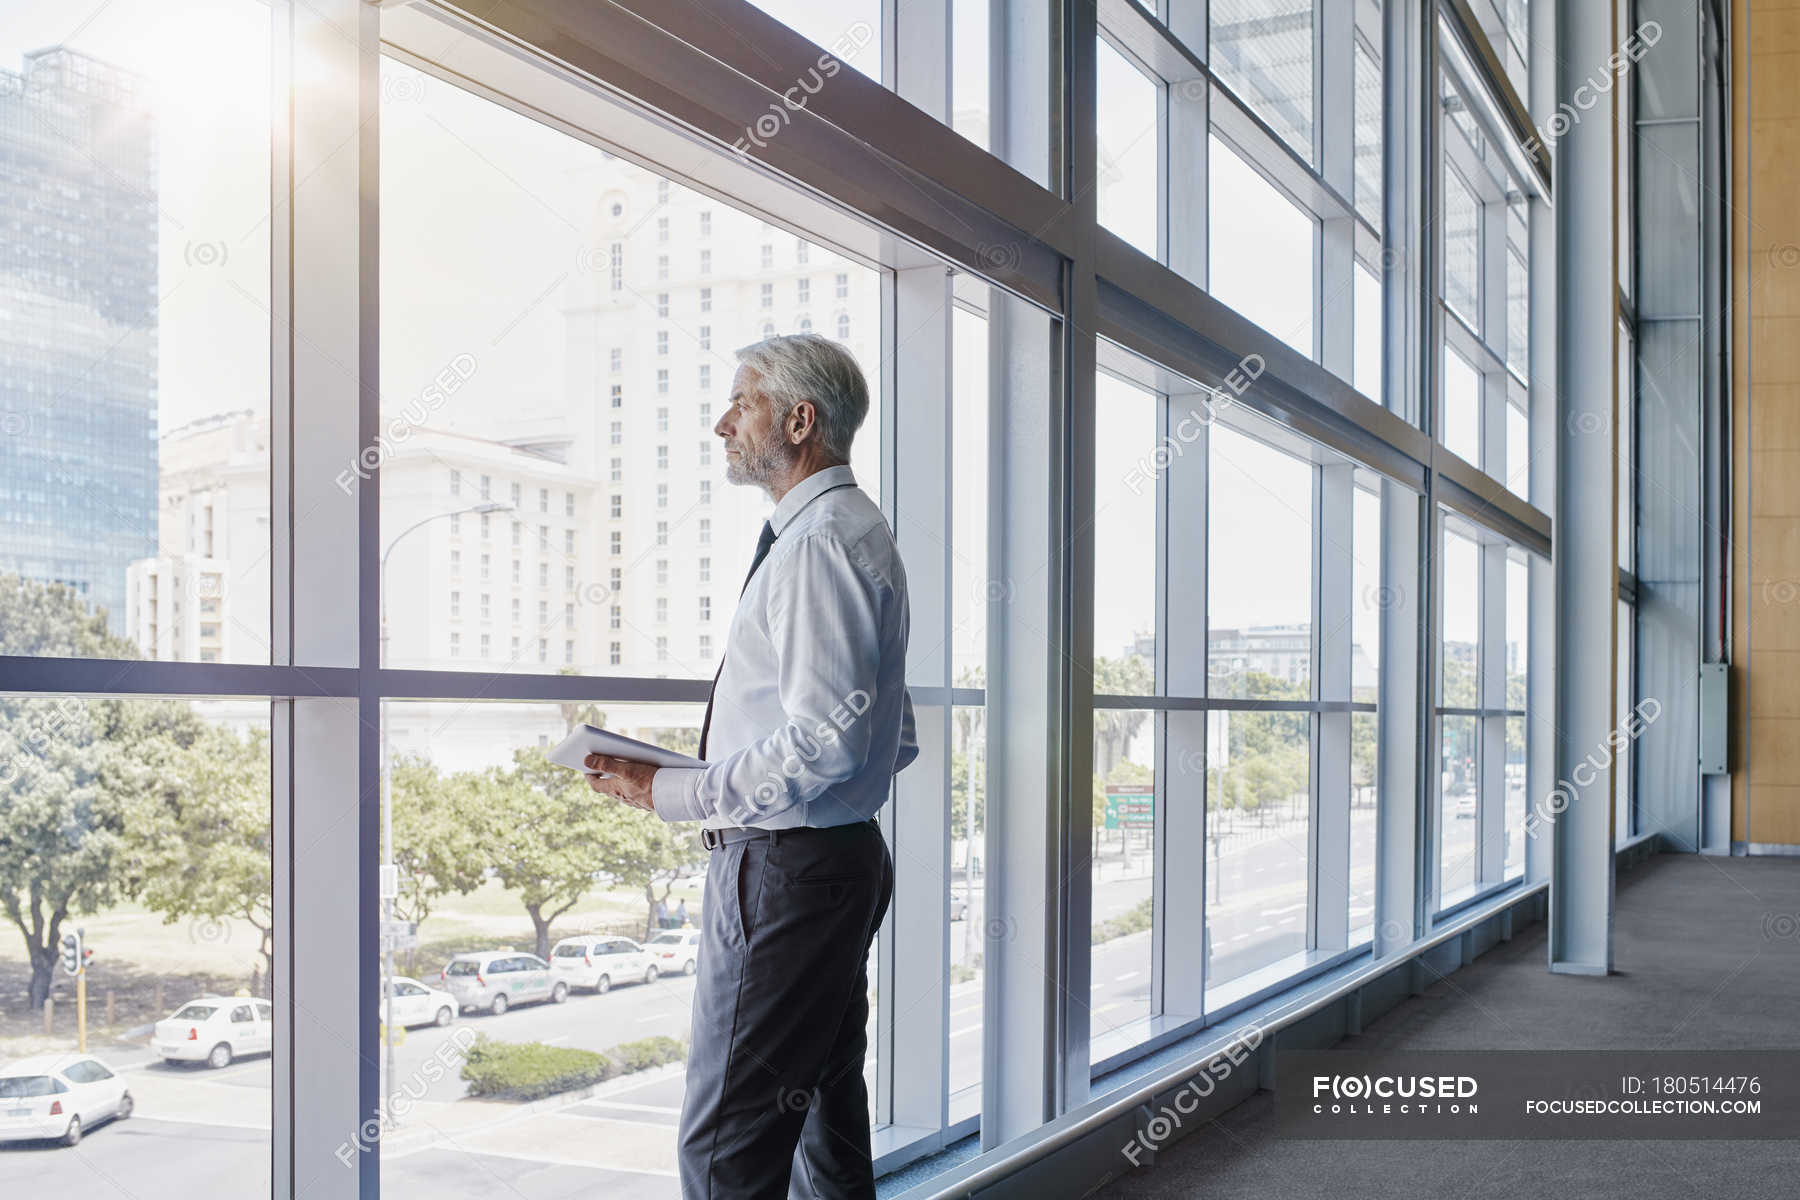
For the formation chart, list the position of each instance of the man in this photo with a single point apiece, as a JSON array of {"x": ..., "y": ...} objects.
[{"x": 808, "y": 721}]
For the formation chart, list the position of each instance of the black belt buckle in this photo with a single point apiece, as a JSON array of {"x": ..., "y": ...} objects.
[{"x": 711, "y": 838}]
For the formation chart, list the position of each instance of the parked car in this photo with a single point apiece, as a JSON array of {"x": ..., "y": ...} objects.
[
  {"x": 600, "y": 962},
  {"x": 59, "y": 1096},
  {"x": 959, "y": 907},
  {"x": 215, "y": 1030},
  {"x": 498, "y": 979},
  {"x": 675, "y": 950},
  {"x": 416, "y": 1004}
]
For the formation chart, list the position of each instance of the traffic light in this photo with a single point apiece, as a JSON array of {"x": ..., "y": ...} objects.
[{"x": 72, "y": 953}]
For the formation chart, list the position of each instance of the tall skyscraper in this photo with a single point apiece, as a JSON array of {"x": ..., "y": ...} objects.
[{"x": 78, "y": 325}]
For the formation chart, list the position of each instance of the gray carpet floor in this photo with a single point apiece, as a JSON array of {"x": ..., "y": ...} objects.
[{"x": 1707, "y": 956}]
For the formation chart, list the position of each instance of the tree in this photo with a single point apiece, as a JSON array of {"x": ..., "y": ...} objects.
[
  {"x": 1115, "y": 727},
  {"x": 438, "y": 844},
  {"x": 65, "y": 767},
  {"x": 198, "y": 841},
  {"x": 549, "y": 835}
]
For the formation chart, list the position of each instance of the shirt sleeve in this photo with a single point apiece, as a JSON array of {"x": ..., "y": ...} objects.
[
  {"x": 909, "y": 736},
  {"x": 824, "y": 618}
]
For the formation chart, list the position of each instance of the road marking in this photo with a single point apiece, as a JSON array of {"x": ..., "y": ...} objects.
[
  {"x": 975, "y": 1028},
  {"x": 654, "y": 1017},
  {"x": 1126, "y": 975},
  {"x": 665, "y": 1109},
  {"x": 1279, "y": 912},
  {"x": 1262, "y": 928}
]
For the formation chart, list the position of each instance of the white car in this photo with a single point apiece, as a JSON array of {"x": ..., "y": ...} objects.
[
  {"x": 58, "y": 1096},
  {"x": 675, "y": 950},
  {"x": 600, "y": 962},
  {"x": 416, "y": 1004},
  {"x": 215, "y": 1030}
]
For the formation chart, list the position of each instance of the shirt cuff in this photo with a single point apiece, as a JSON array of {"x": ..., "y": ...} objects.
[{"x": 675, "y": 792}]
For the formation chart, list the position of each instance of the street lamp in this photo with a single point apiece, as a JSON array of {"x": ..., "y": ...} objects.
[{"x": 387, "y": 791}]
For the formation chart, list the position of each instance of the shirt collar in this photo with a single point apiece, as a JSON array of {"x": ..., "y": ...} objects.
[{"x": 805, "y": 492}]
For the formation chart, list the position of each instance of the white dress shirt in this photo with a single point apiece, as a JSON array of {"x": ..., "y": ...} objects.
[{"x": 810, "y": 713}]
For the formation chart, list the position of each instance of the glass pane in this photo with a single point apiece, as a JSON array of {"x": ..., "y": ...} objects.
[
  {"x": 556, "y": 499},
  {"x": 1459, "y": 767},
  {"x": 1518, "y": 451},
  {"x": 970, "y": 587},
  {"x": 1368, "y": 135},
  {"x": 968, "y": 833},
  {"x": 1518, "y": 287},
  {"x": 1462, "y": 621},
  {"x": 134, "y": 403},
  {"x": 1518, "y": 622},
  {"x": 1259, "y": 570},
  {"x": 144, "y": 825},
  {"x": 1625, "y": 447},
  {"x": 1125, "y": 491},
  {"x": 849, "y": 30},
  {"x": 1364, "y": 785},
  {"x": 1462, "y": 249},
  {"x": 1127, "y": 144},
  {"x": 1367, "y": 319},
  {"x": 970, "y": 70},
  {"x": 1260, "y": 249},
  {"x": 1462, "y": 408},
  {"x": 478, "y": 880},
  {"x": 1258, "y": 823},
  {"x": 1515, "y": 798},
  {"x": 1263, "y": 51},
  {"x": 1124, "y": 866},
  {"x": 1371, "y": 598}
]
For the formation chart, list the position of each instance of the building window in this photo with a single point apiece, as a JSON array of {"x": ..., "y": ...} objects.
[
  {"x": 768, "y": 256},
  {"x": 662, "y": 610},
  {"x": 484, "y": 568},
  {"x": 568, "y": 652},
  {"x": 706, "y": 337},
  {"x": 455, "y": 482},
  {"x": 843, "y": 285},
  {"x": 615, "y": 543},
  {"x": 616, "y": 506},
  {"x": 706, "y": 646},
  {"x": 662, "y": 229},
  {"x": 801, "y": 249},
  {"x": 662, "y": 495},
  {"x": 706, "y": 608},
  {"x": 515, "y": 495},
  {"x": 706, "y": 262},
  {"x": 568, "y": 504},
  {"x": 486, "y": 484},
  {"x": 704, "y": 568},
  {"x": 768, "y": 295},
  {"x": 705, "y": 299},
  {"x": 706, "y": 491},
  {"x": 705, "y": 383},
  {"x": 662, "y": 533},
  {"x": 706, "y": 454},
  {"x": 543, "y": 649},
  {"x": 456, "y": 562},
  {"x": 662, "y": 458},
  {"x": 616, "y": 435},
  {"x": 616, "y": 473},
  {"x": 618, "y": 395},
  {"x": 662, "y": 572},
  {"x": 662, "y": 381},
  {"x": 568, "y": 541},
  {"x": 455, "y": 645},
  {"x": 455, "y": 604},
  {"x": 662, "y": 648},
  {"x": 612, "y": 653},
  {"x": 455, "y": 524},
  {"x": 617, "y": 359},
  {"x": 612, "y": 619},
  {"x": 662, "y": 418},
  {"x": 803, "y": 291},
  {"x": 615, "y": 258},
  {"x": 662, "y": 306},
  {"x": 843, "y": 327},
  {"x": 486, "y": 645},
  {"x": 705, "y": 222},
  {"x": 662, "y": 268},
  {"x": 706, "y": 531}
]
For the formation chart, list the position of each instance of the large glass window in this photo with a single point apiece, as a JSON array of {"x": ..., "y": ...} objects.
[
  {"x": 1263, "y": 50},
  {"x": 134, "y": 397},
  {"x": 1259, "y": 571},
  {"x": 489, "y": 394},
  {"x": 1126, "y": 130},
  {"x": 1261, "y": 249}
]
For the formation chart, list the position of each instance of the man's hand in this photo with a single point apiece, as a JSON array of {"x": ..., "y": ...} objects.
[{"x": 630, "y": 781}]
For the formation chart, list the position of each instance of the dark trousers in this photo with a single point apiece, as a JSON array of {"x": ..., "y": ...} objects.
[{"x": 775, "y": 1091}]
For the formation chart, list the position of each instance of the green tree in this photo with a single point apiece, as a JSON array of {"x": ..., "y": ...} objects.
[
  {"x": 1115, "y": 727},
  {"x": 198, "y": 842},
  {"x": 66, "y": 767},
  {"x": 438, "y": 844},
  {"x": 549, "y": 835}
]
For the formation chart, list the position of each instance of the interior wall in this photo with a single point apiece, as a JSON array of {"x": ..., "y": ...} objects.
[{"x": 1765, "y": 98}]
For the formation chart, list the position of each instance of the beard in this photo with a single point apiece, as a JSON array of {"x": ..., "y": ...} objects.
[{"x": 757, "y": 463}]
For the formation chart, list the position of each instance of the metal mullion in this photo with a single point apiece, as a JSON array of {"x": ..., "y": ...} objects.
[{"x": 1492, "y": 77}]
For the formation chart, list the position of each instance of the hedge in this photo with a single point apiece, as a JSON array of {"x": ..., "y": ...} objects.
[{"x": 533, "y": 1070}]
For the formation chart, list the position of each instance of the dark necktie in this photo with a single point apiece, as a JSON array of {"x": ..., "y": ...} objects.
[{"x": 762, "y": 551}]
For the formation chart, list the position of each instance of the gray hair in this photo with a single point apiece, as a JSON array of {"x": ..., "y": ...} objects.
[{"x": 809, "y": 366}]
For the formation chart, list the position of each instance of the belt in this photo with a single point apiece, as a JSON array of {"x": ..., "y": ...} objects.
[{"x": 713, "y": 838}]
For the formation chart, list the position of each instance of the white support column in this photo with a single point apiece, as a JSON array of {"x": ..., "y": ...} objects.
[
  {"x": 1587, "y": 576},
  {"x": 914, "y": 1068},
  {"x": 325, "y": 818},
  {"x": 1181, "y": 919},
  {"x": 913, "y": 1022},
  {"x": 1490, "y": 807}
]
